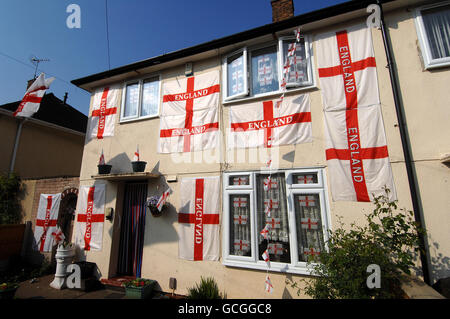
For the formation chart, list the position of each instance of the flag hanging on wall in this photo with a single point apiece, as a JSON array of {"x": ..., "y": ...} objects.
[
  {"x": 33, "y": 96},
  {"x": 105, "y": 104},
  {"x": 198, "y": 219},
  {"x": 262, "y": 124},
  {"x": 90, "y": 217},
  {"x": 189, "y": 117},
  {"x": 356, "y": 148},
  {"x": 46, "y": 221}
]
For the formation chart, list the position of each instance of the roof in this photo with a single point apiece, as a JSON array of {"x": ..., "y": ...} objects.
[
  {"x": 53, "y": 110},
  {"x": 271, "y": 28}
]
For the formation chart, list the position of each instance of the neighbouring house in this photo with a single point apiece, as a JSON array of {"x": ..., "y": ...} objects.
[
  {"x": 140, "y": 106},
  {"x": 48, "y": 159}
]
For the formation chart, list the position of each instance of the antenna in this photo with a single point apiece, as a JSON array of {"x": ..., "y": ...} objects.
[{"x": 35, "y": 60}]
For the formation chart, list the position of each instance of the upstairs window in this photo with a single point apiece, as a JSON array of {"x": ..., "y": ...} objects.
[
  {"x": 433, "y": 29},
  {"x": 258, "y": 70},
  {"x": 140, "y": 99}
]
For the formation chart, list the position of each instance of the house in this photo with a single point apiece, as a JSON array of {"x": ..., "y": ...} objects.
[
  {"x": 251, "y": 74},
  {"x": 47, "y": 157}
]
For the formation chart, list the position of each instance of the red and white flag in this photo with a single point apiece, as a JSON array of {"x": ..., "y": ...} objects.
[
  {"x": 265, "y": 231},
  {"x": 265, "y": 257},
  {"x": 105, "y": 104},
  {"x": 240, "y": 202},
  {"x": 33, "y": 96},
  {"x": 269, "y": 183},
  {"x": 189, "y": 117},
  {"x": 198, "y": 219},
  {"x": 136, "y": 155},
  {"x": 309, "y": 223},
  {"x": 58, "y": 236},
  {"x": 240, "y": 219},
  {"x": 261, "y": 124},
  {"x": 101, "y": 161},
  {"x": 307, "y": 201},
  {"x": 241, "y": 245},
  {"x": 356, "y": 148},
  {"x": 275, "y": 249},
  {"x": 46, "y": 221},
  {"x": 90, "y": 217},
  {"x": 163, "y": 199},
  {"x": 269, "y": 286}
]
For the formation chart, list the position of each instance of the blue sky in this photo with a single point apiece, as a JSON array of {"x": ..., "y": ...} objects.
[{"x": 138, "y": 29}]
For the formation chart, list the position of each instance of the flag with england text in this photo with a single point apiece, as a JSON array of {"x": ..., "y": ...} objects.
[
  {"x": 198, "y": 219},
  {"x": 33, "y": 96},
  {"x": 356, "y": 147},
  {"x": 262, "y": 124},
  {"x": 189, "y": 115},
  {"x": 105, "y": 104},
  {"x": 46, "y": 221},
  {"x": 90, "y": 217}
]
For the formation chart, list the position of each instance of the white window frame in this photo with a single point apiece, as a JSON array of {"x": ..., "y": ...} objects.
[
  {"x": 429, "y": 62},
  {"x": 253, "y": 262},
  {"x": 248, "y": 91},
  {"x": 140, "y": 82}
]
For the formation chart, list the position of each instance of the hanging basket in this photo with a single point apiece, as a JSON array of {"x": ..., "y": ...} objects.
[
  {"x": 155, "y": 212},
  {"x": 138, "y": 166},
  {"x": 104, "y": 169}
]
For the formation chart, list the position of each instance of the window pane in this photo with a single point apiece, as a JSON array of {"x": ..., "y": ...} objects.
[
  {"x": 150, "y": 97},
  {"x": 237, "y": 180},
  {"x": 437, "y": 27},
  {"x": 240, "y": 237},
  {"x": 264, "y": 70},
  {"x": 235, "y": 73},
  {"x": 309, "y": 226},
  {"x": 304, "y": 178},
  {"x": 272, "y": 210},
  {"x": 131, "y": 100},
  {"x": 298, "y": 72}
]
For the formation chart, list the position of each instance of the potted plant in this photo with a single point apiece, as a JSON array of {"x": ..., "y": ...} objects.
[
  {"x": 138, "y": 165},
  {"x": 151, "y": 204},
  {"x": 103, "y": 168},
  {"x": 139, "y": 288},
  {"x": 8, "y": 290}
]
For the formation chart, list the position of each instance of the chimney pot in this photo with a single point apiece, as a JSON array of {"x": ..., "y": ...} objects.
[
  {"x": 29, "y": 82},
  {"x": 282, "y": 9}
]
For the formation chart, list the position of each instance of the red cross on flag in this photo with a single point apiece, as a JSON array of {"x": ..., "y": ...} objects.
[
  {"x": 269, "y": 183},
  {"x": 47, "y": 217},
  {"x": 162, "y": 200},
  {"x": 189, "y": 118},
  {"x": 240, "y": 180},
  {"x": 265, "y": 231},
  {"x": 240, "y": 219},
  {"x": 273, "y": 222},
  {"x": 265, "y": 257},
  {"x": 306, "y": 201},
  {"x": 58, "y": 236},
  {"x": 309, "y": 223},
  {"x": 269, "y": 286},
  {"x": 261, "y": 124},
  {"x": 311, "y": 251},
  {"x": 270, "y": 203},
  {"x": 101, "y": 160},
  {"x": 90, "y": 217},
  {"x": 104, "y": 109},
  {"x": 32, "y": 99},
  {"x": 356, "y": 149},
  {"x": 198, "y": 219},
  {"x": 240, "y": 202},
  {"x": 241, "y": 245},
  {"x": 275, "y": 249},
  {"x": 305, "y": 179}
]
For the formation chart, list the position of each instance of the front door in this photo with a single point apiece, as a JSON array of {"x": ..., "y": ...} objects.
[{"x": 132, "y": 230}]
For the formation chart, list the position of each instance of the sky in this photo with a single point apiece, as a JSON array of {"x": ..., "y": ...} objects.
[{"x": 138, "y": 30}]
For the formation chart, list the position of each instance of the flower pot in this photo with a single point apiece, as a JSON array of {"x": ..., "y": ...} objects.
[
  {"x": 138, "y": 166},
  {"x": 142, "y": 292},
  {"x": 104, "y": 169}
]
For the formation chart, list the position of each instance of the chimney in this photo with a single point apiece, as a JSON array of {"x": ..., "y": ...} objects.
[
  {"x": 282, "y": 9},
  {"x": 65, "y": 97}
]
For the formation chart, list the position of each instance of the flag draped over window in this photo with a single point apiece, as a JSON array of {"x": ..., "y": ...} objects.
[
  {"x": 33, "y": 96},
  {"x": 90, "y": 217},
  {"x": 46, "y": 221},
  {"x": 198, "y": 219},
  {"x": 105, "y": 104},
  {"x": 356, "y": 149},
  {"x": 262, "y": 124},
  {"x": 189, "y": 119}
]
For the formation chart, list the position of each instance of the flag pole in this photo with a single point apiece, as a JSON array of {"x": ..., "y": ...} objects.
[{"x": 16, "y": 145}]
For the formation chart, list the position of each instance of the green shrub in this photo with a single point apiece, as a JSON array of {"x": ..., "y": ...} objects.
[
  {"x": 390, "y": 240},
  {"x": 207, "y": 289},
  {"x": 10, "y": 210}
]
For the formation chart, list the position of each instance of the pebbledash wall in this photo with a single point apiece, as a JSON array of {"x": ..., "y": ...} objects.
[{"x": 425, "y": 96}]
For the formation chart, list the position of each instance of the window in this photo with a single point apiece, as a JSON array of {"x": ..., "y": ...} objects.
[
  {"x": 298, "y": 218},
  {"x": 257, "y": 71},
  {"x": 433, "y": 29},
  {"x": 141, "y": 99}
]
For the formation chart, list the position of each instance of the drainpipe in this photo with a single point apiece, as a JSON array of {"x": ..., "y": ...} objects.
[
  {"x": 413, "y": 188},
  {"x": 16, "y": 145}
]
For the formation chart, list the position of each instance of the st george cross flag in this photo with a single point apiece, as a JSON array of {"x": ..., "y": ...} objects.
[
  {"x": 101, "y": 161},
  {"x": 136, "y": 154},
  {"x": 356, "y": 149},
  {"x": 269, "y": 286},
  {"x": 46, "y": 221},
  {"x": 162, "y": 200},
  {"x": 189, "y": 117},
  {"x": 105, "y": 104},
  {"x": 261, "y": 124},
  {"x": 58, "y": 236},
  {"x": 90, "y": 217},
  {"x": 32, "y": 99},
  {"x": 198, "y": 219}
]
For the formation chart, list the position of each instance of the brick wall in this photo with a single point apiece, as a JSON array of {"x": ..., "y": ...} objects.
[{"x": 282, "y": 9}]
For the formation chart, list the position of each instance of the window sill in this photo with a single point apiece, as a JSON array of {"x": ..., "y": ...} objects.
[
  {"x": 436, "y": 65},
  {"x": 274, "y": 267},
  {"x": 123, "y": 121},
  {"x": 270, "y": 94}
]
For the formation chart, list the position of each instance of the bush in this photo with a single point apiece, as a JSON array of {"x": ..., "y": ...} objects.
[
  {"x": 207, "y": 289},
  {"x": 10, "y": 210},
  {"x": 390, "y": 240}
]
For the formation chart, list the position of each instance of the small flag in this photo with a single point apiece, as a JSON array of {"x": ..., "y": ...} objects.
[
  {"x": 269, "y": 287},
  {"x": 297, "y": 34},
  {"x": 265, "y": 257},
  {"x": 269, "y": 184},
  {"x": 101, "y": 161},
  {"x": 136, "y": 155},
  {"x": 265, "y": 231},
  {"x": 162, "y": 200},
  {"x": 58, "y": 236}
]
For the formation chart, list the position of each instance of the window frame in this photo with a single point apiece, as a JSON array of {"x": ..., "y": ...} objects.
[
  {"x": 429, "y": 62},
  {"x": 253, "y": 262},
  {"x": 225, "y": 75},
  {"x": 140, "y": 81}
]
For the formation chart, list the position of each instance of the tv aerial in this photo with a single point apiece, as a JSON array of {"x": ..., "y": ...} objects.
[{"x": 35, "y": 61}]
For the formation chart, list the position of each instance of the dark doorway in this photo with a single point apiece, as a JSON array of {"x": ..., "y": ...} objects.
[{"x": 132, "y": 230}]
